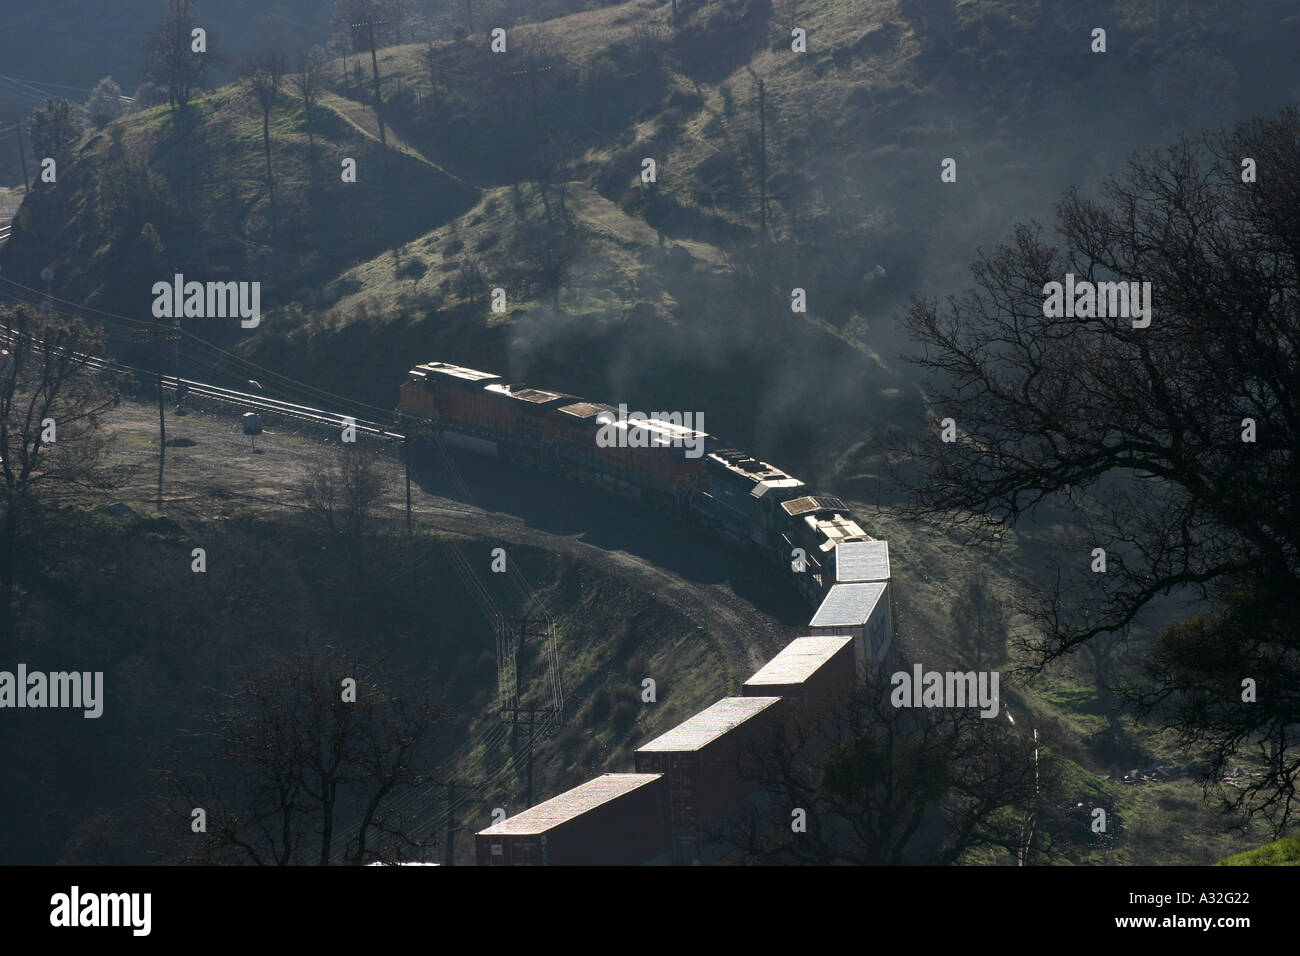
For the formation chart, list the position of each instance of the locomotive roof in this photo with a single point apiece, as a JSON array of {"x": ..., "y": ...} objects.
[
  {"x": 663, "y": 432},
  {"x": 570, "y": 804},
  {"x": 848, "y": 605},
  {"x": 455, "y": 371},
  {"x": 525, "y": 393},
  {"x": 810, "y": 503},
  {"x": 710, "y": 724},
  {"x": 800, "y": 659},
  {"x": 836, "y": 529},
  {"x": 586, "y": 410},
  {"x": 862, "y": 561},
  {"x": 764, "y": 475}
]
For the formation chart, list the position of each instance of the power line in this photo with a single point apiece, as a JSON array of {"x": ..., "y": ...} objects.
[{"x": 80, "y": 89}]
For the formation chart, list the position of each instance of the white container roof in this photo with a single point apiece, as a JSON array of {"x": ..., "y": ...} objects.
[
  {"x": 848, "y": 605},
  {"x": 570, "y": 804},
  {"x": 709, "y": 725},
  {"x": 800, "y": 659},
  {"x": 861, "y": 561}
]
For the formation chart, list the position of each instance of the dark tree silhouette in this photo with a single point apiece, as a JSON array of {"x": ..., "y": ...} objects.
[
  {"x": 263, "y": 78},
  {"x": 55, "y": 129},
  {"x": 885, "y": 786},
  {"x": 50, "y": 442},
  {"x": 306, "y": 775},
  {"x": 1173, "y": 447},
  {"x": 341, "y": 494},
  {"x": 172, "y": 61},
  {"x": 309, "y": 82}
]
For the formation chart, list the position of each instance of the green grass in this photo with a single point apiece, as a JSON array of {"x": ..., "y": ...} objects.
[{"x": 1284, "y": 852}]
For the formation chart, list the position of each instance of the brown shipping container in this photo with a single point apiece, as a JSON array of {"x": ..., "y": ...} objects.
[
  {"x": 617, "y": 819},
  {"x": 706, "y": 758},
  {"x": 810, "y": 674}
]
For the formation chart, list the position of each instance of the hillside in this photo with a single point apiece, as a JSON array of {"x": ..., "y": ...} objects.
[
  {"x": 117, "y": 589},
  {"x": 858, "y": 218}
]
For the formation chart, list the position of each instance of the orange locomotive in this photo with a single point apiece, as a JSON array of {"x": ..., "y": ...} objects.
[
  {"x": 646, "y": 459},
  {"x": 653, "y": 460}
]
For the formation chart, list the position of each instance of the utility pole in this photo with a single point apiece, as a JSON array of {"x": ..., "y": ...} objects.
[
  {"x": 532, "y": 711},
  {"x": 449, "y": 856},
  {"x": 158, "y": 335},
  {"x": 406, "y": 466},
  {"x": 411, "y": 435},
  {"x": 369, "y": 24},
  {"x": 532, "y": 718},
  {"x": 519, "y": 660},
  {"x": 762, "y": 159},
  {"x": 522, "y": 627},
  {"x": 22, "y": 155},
  {"x": 470, "y": 16}
]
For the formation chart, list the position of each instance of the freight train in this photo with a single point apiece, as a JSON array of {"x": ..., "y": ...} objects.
[
  {"x": 686, "y": 780},
  {"x": 659, "y": 462}
]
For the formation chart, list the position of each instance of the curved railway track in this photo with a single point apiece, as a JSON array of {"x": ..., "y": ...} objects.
[{"x": 702, "y": 604}]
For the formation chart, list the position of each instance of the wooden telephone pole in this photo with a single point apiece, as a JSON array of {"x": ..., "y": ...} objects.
[
  {"x": 369, "y": 23},
  {"x": 520, "y": 628},
  {"x": 533, "y": 712},
  {"x": 158, "y": 335}
]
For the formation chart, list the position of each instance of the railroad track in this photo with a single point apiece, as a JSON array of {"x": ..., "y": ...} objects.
[
  {"x": 250, "y": 400},
  {"x": 253, "y": 401}
]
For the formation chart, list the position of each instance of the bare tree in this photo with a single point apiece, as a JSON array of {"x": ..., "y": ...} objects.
[
  {"x": 342, "y": 493},
  {"x": 311, "y": 756},
  {"x": 880, "y": 785},
  {"x": 309, "y": 82},
  {"x": 50, "y": 440},
  {"x": 548, "y": 250},
  {"x": 471, "y": 282},
  {"x": 263, "y": 78},
  {"x": 173, "y": 62},
  {"x": 1172, "y": 445}
]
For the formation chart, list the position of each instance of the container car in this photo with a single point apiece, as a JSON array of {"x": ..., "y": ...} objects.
[
  {"x": 811, "y": 675},
  {"x": 861, "y": 611},
  {"x": 615, "y": 819},
  {"x": 709, "y": 762}
]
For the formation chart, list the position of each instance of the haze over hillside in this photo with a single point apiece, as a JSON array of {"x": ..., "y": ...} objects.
[{"x": 855, "y": 130}]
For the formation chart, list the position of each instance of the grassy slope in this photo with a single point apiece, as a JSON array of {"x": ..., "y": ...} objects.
[{"x": 1285, "y": 852}]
